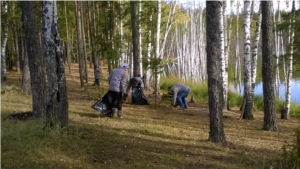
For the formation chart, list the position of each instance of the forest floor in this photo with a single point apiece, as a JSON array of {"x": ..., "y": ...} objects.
[{"x": 149, "y": 136}]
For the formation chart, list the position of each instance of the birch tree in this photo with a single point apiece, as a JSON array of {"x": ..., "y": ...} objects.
[
  {"x": 247, "y": 107},
  {"x": 225, "y": 79},
  {"x": 57, "y": 102},
  {"x": 140, "y": 38},
  {"x": 254, "y": 52},
  {"x": 267, "y": 67},
  {"x": 216, "y": 133},
  {"x": 157, "y": 56},
  {"x": 34, "y": 53},
  {"x": 3, "y": 42},
  {"x": 286, "y": 113}
]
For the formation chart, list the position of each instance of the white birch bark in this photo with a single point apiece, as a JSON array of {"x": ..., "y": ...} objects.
[
  {"x": 225, "y": 82},
  {"x": 221, "y": 57},
  {"x": 247, "y": 62},
  {"x": 157, "y": 76},
  {"x": 149, "y": 49},
  {"x": 3, "y": 44},
  {"x": 255, "y": 51},
  {"x": 286, "y": 114},
  {"x": 276, "y": 42}
]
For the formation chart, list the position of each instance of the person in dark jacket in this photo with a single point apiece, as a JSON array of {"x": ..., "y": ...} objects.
[
  {"x": 135, "y": 83},
  {"x": 97, "y": 75},
  {"x": 180, "y": 92},
  {"x": 117, "y": 87}
]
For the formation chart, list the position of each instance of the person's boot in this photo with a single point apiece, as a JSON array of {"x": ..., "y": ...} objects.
[{"x": 120, "y": 114}]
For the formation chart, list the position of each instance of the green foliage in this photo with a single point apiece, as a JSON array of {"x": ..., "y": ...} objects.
[
  {"x": 234, "y": 99},
  {"x": 293, "y": 156}
]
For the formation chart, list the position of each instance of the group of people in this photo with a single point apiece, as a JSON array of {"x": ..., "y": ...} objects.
[{"x": 118, "y": 90}]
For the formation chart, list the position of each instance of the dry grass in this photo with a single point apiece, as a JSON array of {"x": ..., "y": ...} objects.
[{"x": 149, "y": 136}]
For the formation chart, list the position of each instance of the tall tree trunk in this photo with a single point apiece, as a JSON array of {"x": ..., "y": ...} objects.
[
  {"x": 225, "y": 80},
  {"x": 237, "y": 72},
  {"x": 286, "y": 112},
  {"x": 149, "y": 49},
  {"x": 57, "y": 104},
  {"x": 248, "y": 107},
  {"x": 84, "y": 56},
  {"x": 254, "y": 52},
  {"x": 140, "y": 38},
  {"x": 222, "y": 59},
  {"x": 34, "y": 51},
  {"x": 136, "y": 59},
  {"x": 216, "y": 133},
  {"x": 267, "y": 67},
  {"x": 68, "y": 40},
  {"x": 157, "y": 53},
  {"x": 80, "y": 44},
  {"x": 3, "y": 42}
]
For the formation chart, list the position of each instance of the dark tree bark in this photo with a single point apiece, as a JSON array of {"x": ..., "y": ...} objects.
[
  {"x": 25, "y": 84},
  {"x": 37, "y": 74},
  {"x": 216, "y": 133},
  {"x": 267, "y": 66},
  {"x": 135, "y": 45},
  {"x": 57, "y": 103}
]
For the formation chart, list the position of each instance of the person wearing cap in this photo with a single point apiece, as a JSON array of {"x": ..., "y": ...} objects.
[
  {"x": 180, "y": 92},
  {"x": 134, "y": 83},
  {"x": 117, "y": 87}
]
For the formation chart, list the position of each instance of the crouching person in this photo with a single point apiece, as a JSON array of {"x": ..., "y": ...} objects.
[
  {"x": 180, "y": 93},
  {"x": 135, "y": 83},
  {"x": 117, "y": 88}
]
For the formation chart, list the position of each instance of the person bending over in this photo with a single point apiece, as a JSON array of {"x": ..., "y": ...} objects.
[
  {"x": 180, "y": 92},
  {"x": 135, "y": 83}
]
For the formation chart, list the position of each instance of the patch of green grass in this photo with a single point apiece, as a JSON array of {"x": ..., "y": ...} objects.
[{"x": 234, "y": 99}]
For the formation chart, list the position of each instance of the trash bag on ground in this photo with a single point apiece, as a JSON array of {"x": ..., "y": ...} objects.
[
  {"x": 102, "y": 105},
  {"x": 138, "y": 96}
]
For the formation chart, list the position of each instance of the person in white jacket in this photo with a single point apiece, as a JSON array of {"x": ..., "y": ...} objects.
[
  {"x": 117, "y": 87},
  {"x": 180, "y": 92}
]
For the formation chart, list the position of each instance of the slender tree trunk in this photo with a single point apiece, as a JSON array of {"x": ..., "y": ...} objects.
[
  {"x": 286, "y": 113},
  {"x": 248, "y": 107},
  {"x": 80, "y": 44},
  {"x": 216, "y": 133},
  {"x": 57, "y": 104},
  {"x": 136, "y": 59},
  {"x": 68, "y": 40},
  {"x": 267, "y": 67},
  {"x": 149, "y": 49},
  {"x": 140, "y": 38},
  {"x": 254, "y": 52},
  {"x": 3, "y": 42},
  {"x": 157, "y": 54},
  {"x": 225, "y": 80}
]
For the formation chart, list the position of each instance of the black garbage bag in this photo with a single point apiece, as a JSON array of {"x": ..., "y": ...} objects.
[
  {"x": 138, "y": 96},
  {"x": 102, "y": 105}
]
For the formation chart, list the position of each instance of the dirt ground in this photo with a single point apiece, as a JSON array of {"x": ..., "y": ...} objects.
[{"x": 248, "y": 145}]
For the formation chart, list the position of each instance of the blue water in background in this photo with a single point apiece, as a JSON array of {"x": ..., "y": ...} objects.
[{"x": 258, "y": 91}]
